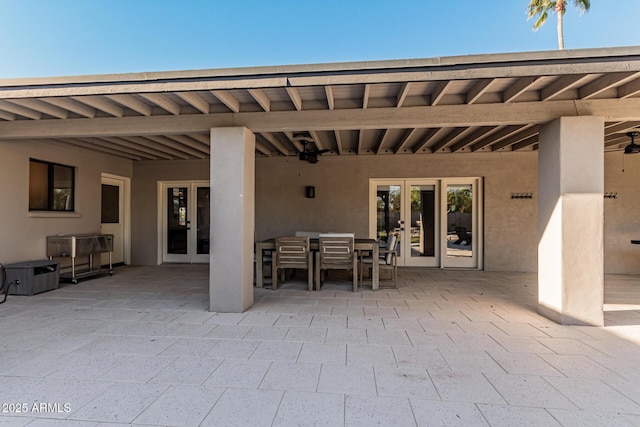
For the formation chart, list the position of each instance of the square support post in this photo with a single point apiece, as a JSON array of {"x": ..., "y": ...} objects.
[
  {"x": 232, "y": 220},
  {"x": 571, "y": 221}
]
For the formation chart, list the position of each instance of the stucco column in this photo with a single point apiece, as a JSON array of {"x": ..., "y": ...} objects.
[
  {"x": 571, "y": 221},
  {"x": 232, "y": 220}
]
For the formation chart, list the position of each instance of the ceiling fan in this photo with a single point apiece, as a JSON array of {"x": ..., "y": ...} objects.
[
  {"x": 632, "y": 147},
  {"x": 308, "y": 155}
]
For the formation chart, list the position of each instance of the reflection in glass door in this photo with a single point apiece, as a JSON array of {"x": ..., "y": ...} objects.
[
  {"x": 407, "y": 209},
  {"x": 185, "y": 222},
  {"x": 436, "y": 221},
  {"x": 461, "y": 199}
]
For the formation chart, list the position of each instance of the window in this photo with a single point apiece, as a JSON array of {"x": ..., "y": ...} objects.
[{"x": 51, "y": 186}]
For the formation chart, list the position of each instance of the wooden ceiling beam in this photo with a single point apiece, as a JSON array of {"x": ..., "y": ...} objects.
[
  {"x": 163, "y": 102},
  {"x": 261, "y": 98},
  {"x": 89, "y": 145},
  {"x": 366, "y": 95},
  {"x": 514, "y": 139},
  {"x": 227, "y": 99},
  {"x": 402, "y": 93},
  {"x": 518, "y": 88},
  {"x": 451, "y": 137},
  {"x": 294, "y": 95},
  {"x": 143, "y": 148},
  {"x": 439, "y": 92},
  {"x": 132, "y": 103},
  {"x": 473, "y": 137},
  {"x": 493, "y": 114},
  {"x": 184, "y": 139},
  {"x": 428, "y": 137},
  {"x": 527, "y": 142},
  {"x": 338, "y": 141},
  {"x": 605, "y": 82},
  {"x": 271, "y": 139},
  {"x": 317, "y": 140},
  {"x": 19, "y": 110},
  {"x": 71, "y": 105},
  {"x": 501, "y": 133},
  {"x": 42, "y": 107},
  {"x": 100, "y": 103},
  {"x": 560, "y": 85},
  {"x": 118, "y": 147},
  {"x": 478, "y": 90},
  {"x": 146, "y": 142},
  {"x": 405, "y": 138},
  {"x": 168, "y": 142},
  {"x": 331, "y": 103},
  {"x": 196, "y": 101}
]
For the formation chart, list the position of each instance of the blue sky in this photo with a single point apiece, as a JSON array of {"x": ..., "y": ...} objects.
[{"x": 73, "y": 37}]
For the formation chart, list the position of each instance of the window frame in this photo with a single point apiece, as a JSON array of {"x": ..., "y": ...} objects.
[{"x": 50, "y": 187}]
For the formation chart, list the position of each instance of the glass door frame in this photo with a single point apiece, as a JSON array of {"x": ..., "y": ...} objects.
[
  {"x": 440, "y": 258},
  {"x": 404, "y": 254},
  {"x": 475, "y": 261},
  {"x": 192, "y": 255}
]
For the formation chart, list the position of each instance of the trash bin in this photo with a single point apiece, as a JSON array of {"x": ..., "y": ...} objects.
[{"x": 34, "y": 276}]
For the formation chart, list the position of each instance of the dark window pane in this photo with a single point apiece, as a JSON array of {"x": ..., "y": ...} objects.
[
  {"x": 110, "y": 204},
  {"x": 50, "y": 186}
]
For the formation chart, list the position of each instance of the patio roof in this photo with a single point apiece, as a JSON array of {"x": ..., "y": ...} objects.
[{"x": 463, "y": 104}]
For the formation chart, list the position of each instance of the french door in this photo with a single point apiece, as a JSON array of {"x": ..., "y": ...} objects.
[
  {"x": 437, "y": 221},
  {"x": 185, "y": 210},
  {"x": 115, "y": 217}
]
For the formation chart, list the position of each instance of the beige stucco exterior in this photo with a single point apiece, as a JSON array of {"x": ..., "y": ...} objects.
[{"x": 341, "y": 201}]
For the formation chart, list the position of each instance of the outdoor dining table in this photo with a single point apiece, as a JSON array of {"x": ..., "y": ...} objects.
[{"x": 358, "y": 244}]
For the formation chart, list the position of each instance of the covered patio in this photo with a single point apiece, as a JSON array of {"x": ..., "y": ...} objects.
[
  {"x": 551, "y": 125},
  {"x": 451, "y": 347}
]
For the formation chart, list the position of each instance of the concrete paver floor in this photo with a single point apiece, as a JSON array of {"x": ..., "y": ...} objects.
[{"x": 444, "y": 348}]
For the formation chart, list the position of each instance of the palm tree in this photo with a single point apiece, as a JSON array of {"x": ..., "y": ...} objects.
[{"x": 540, "y": 9}]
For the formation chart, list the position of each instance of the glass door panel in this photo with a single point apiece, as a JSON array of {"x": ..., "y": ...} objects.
[
  {"x": 388, "y": 212},
  {"x": 186, "y": 211},
  {"x": 422, "y": 244},
  {"x": 202, "y": 224},
  {"x": 177, "y": 223},
  {"x": 460, "y": 224}
]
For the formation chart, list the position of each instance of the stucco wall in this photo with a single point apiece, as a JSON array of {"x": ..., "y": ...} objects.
[
  {"x": 144, "y": 201},
  {"x": 342, "y": 191},
  {"x": 23, "y": 235}
]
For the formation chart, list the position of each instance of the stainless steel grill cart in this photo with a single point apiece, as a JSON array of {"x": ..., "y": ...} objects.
[{"x": 81, "y": 245}]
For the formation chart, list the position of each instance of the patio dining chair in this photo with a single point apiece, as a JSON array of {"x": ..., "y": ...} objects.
[
  {"x": 291, "y": 252},
  {"x": 336, "y": 252},
  {"x": 387, "y": 260}
]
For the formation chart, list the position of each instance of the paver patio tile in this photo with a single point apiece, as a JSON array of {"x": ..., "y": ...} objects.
[
  {"x": 244, "y": 407},
  {"x": 521, "y": 344},
  {"x": 577, "y": 418},
  {"x": 371, "y": 355},
  {"x": 291, "y": 376},
  {"x": 591, "y": 394},
  {"x": 405, "y": 324},
  {"x": 238, "y": 373},
  {"x": 187, "y": 371},
  {"x": 297, "y": 320},
  {"x": 434, "y": 412},
  {"x": 528, "y": 390},
  {"x": 404, "y": 382},
  {"x": 271, "y": 333},
  {"x": 524, "y": 364},
  {"x": 344, "y": 336},
  {"x": 306, "y": 334},
  {"x": 509, "y": 416},
  {"x": 471, "y": 362},
  {"x": 347, "y": 380},
  {"x": 323, "y": 353},
  {"x": 385, "y": 337},
  {"x": 190, "y": 347},
  {"x": 181, "y": 406},
  {"x": 310, "y": 409},
  {"x": 136, "y": 368},
  {"x": 568, "y": 346},
  {"x": 329, "y": 321},
  {"x": 229, "y": 331},
  {"x": 274, "y": 350},
  {"x": 120, "y": 396},
  {"x": 464, "y": 387},
  {"x": 577, "y": 366},
  {"x": 369, "y": 411},
  {"x": 233, "y": 349}
]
